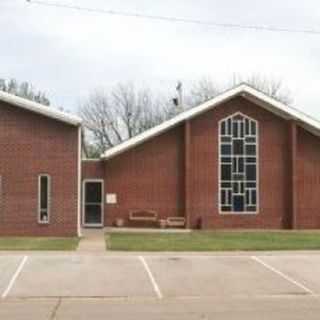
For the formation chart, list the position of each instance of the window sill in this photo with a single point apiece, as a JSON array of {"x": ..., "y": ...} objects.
[
  {"x": 231, "y": 213},
  {"x": 43, "y": 222}
]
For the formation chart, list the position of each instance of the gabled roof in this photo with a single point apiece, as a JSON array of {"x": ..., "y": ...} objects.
[
  {"x": 32, "y": 106},
  {"x": 243, "y": 90}
]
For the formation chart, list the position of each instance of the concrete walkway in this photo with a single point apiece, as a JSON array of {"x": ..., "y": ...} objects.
[
  {"x": 146, "y": 230},
  {"x": 92, "y": 241}
]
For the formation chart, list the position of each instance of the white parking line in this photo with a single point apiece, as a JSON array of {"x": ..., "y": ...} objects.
[
  {"x": 14, "y": 277},
  {"x": 281, "y": 274},
  {"x": 151, "y": 277}
]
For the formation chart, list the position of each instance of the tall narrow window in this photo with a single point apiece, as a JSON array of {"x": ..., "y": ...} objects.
[
  {"x": 44, "y": 198},
  {"x": 238, "y": 151}
]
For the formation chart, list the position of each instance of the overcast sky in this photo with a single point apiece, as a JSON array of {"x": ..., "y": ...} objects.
[{"x": 70, "y": 53}]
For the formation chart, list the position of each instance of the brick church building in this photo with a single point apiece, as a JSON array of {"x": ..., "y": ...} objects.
[{"x": 239, "y": 160}]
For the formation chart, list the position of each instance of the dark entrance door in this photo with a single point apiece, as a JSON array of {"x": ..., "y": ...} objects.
[{"x": 93, "y": 203}]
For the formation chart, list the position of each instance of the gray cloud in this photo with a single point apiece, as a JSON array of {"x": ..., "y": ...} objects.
[{"x": 69, "y": 53}]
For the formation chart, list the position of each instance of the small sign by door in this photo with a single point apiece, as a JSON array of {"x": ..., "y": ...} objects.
[{"x": 111, "y": 198}]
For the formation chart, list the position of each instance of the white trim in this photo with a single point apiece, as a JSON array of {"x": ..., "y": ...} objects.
[
  {"x": 79, "y": 183},
  {"x": 225, "y": 119},
  {"x": 83, "y": 203},
  {"x": 91, "y": 160},
  {"x": 281, "y": 274},
  {"x": 151, "y": 277},
  {"x": 48, "y": 200},
  {"x": 47, "y": 111},
  {"x": 14, "y": 277},
  {"x": 243, "y": 90}
]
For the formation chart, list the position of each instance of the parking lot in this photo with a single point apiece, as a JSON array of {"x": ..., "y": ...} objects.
[{"x": 74, "y": 286}]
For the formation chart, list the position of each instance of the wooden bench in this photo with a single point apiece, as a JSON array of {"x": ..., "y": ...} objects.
[
  {"x": 143, "y": 215},
  {"x": 176, "y": 222}
]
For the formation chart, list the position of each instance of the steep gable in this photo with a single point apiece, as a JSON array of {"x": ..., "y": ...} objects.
[{"x": 243, "y": 90}]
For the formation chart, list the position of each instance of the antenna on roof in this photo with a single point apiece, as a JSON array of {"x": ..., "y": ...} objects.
[{"x": 178, "y": 100}]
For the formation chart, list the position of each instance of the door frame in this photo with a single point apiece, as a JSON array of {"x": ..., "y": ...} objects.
[{"x": 92, "y": 225}]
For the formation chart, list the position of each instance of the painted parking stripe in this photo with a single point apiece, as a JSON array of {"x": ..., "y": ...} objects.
[
  {"x": 151, "y": 277},
  {"x": 14, "y": 277},
  {"x": 281, "y": 274}
]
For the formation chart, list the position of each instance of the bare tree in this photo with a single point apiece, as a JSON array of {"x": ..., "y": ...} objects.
[
  {"x": 121, "y": 113},
  {"x": 24, "y": 90},
  {"x": 205, "y": 88},
  {"x": 201, "y": 91},
  {"x": 273, "y": 87}
]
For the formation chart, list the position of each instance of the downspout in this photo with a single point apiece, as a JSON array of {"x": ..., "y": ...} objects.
[{"x": 79, "y": 180}]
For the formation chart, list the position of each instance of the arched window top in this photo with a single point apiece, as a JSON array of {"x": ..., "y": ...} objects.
[
  {"x": 238, "y": 153},
  {"x": 238, "y": 125}
]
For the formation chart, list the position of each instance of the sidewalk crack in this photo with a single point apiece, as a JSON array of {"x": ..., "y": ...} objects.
[{"x": 55, "y": 310}]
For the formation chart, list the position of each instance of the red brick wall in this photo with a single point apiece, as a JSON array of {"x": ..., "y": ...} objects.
[
  {"x": 92, "y": 169},
  {"x": 273, "y": 171},
  {"x": 31, "y": 144},
  {"x": 148, "y": 177},
  {"x": 308, "y": 171}
]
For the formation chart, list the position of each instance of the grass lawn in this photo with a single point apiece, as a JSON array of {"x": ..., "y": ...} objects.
[
  {"x": 213, "y": 241},
  {"x": 33, "y": 243}
]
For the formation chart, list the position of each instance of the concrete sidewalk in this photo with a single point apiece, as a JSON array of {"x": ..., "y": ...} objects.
[
  {"x": 264, "y": 308},
  {"x": 92, "y": 241},
  {"x": 146, "y": 230}
]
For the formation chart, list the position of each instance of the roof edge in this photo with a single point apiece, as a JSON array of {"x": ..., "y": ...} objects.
[
  {"x": 243, "y": 89},
  {"x": 36, "y": 107}
]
